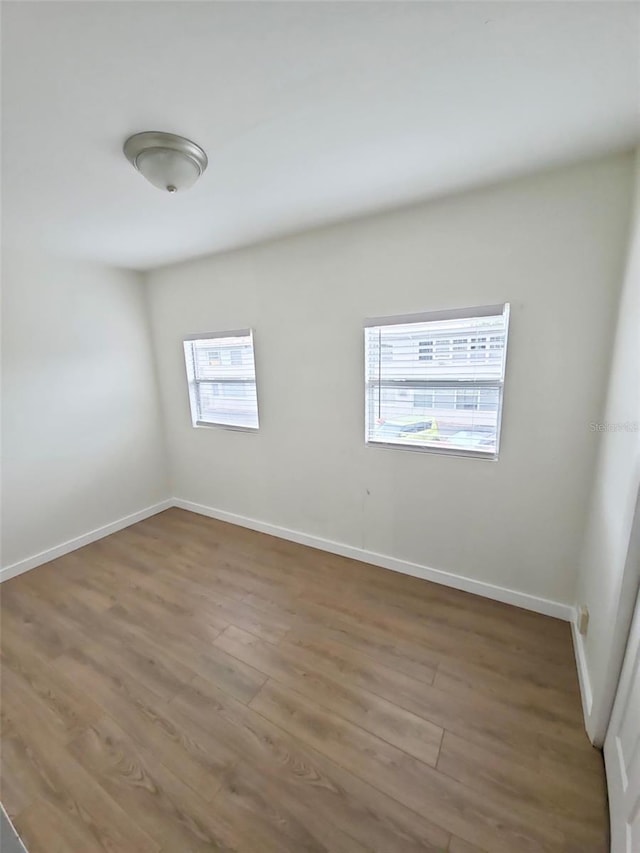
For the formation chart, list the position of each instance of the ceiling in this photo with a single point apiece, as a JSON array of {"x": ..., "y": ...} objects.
[{"x": 309, "y": 112}]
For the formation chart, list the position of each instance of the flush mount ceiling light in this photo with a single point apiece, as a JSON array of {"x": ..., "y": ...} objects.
[{"x": 167, "y": 161}]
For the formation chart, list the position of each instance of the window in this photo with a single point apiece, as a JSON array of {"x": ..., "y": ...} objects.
[
  {"x": 460, "y": 349},
  {"x": 423, "y": 399},
  {"x": 386, "y": 352},
  {"x": 468, "y": 398},
  {"x": 425, "y": 350},
  {"x": 478, "y": 348},
  {"x": 222, "y": 380},
  {"x": 441, "y": 389}
]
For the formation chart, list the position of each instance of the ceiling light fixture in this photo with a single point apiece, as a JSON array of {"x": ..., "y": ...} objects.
[{"x": 169, "y": 162}]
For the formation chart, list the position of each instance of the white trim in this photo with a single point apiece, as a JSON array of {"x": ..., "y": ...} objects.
[
  {"x": 498, "y": 593},
  {"x": 73, "y": 544},
  {"x": 583, "y": 671},
  {"x": 487, "y": 590}
]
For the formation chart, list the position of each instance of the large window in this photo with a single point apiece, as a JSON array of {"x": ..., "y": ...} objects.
[
  {"x": 222, "y": 380},
  {"x": 434, "y": 381}
]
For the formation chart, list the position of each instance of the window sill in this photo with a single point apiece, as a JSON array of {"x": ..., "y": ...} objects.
[
  {"x": 488, "y": 456},
  {"x": 232, "y": 427}
]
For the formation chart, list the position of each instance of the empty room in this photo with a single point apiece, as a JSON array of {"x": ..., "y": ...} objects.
[{"x": 320, "y": 427}]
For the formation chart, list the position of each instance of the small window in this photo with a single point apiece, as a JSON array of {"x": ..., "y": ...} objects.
[
  {"x": 386, "y": 352},
  {"x": 443, "y": 391},
  {"x": 468, "y": 398},
  {"x": 222, "y": 380},
  {"x": 478, "y": 349},
  {"x": 425, "y": 351},
  {"x": 460, "y": 349},
  {"x": 423, "y": 399}
]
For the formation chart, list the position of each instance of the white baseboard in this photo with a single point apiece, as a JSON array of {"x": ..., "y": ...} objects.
[
  {"x": 487, "y": 590},
  {"x": 583, "y": 671},
  {"x": 79, "y": 541}
]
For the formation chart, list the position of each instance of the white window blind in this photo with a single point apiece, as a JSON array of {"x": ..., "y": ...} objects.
[
  {"x": 435, "y": 381},
  {"x": 221, "y": 374}
]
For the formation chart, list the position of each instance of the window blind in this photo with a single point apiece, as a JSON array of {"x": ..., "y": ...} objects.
[
  {"x": 435, "y": 381},
  {"x": 222, "y": 379}
]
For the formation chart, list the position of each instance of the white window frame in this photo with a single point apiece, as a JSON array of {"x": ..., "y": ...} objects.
[
  {"x": 453, "y": 314},
  {"x": 193, "y": 382}
]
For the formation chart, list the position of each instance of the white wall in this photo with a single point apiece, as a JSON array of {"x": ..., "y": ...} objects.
[
  {"x": 81, "y": 438},
  {"x": 552, "y": 245},
  {"x": 609, "y": 569}
]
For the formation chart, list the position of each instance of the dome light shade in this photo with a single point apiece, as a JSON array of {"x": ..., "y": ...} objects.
[{"x": 169, "y": 162}]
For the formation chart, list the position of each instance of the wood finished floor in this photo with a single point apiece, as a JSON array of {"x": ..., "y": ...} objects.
[{"x": 187, "y": 685}]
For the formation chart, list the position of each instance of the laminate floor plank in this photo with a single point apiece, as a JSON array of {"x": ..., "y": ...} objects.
[
  {"x": 44, "y": 828},
  {"x": 380, "y": 823},
  {"x": 224, "y": 611},
  {"x": 198, "y": 657},
  {"x": 453, "y": 643},
  {"x": 72, "y": 707},
  {"x": 414, "y": 660},
  {"x": 261, "y": 801},
  {"x": 366, "y": 666},
  {"x": 525, "y": 784},
  {"x": 492, "y": 619},
  {"x": 405, "y": 730},
  {"x": 409, "y": 622},
  {"x": 140, "y": 653},
  {"x": 42, "y": 628},
  {"x": 46, "y": 584},
  {"x": 471, "y": 706},
  {"x": 14, "y": 796},
  {"x": 459, "y": 846},
  {"x": 242, "y": 816},
  {"x": 230, "y": 567},
  {"x": 454, "y": 806},
  {"x": 198, "y": 759},
  {"x": 44, "y": 770},
  {"x": 147, "y": 662},
  {"x": 479, "y": 716},
  {"x": 169, "y": 594},
  {"x": 189, "y": 685},
  {"x": 518, "y": 692},
  {"x": 24, "y": 709},
  {"x": 163, "y": 806}
]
